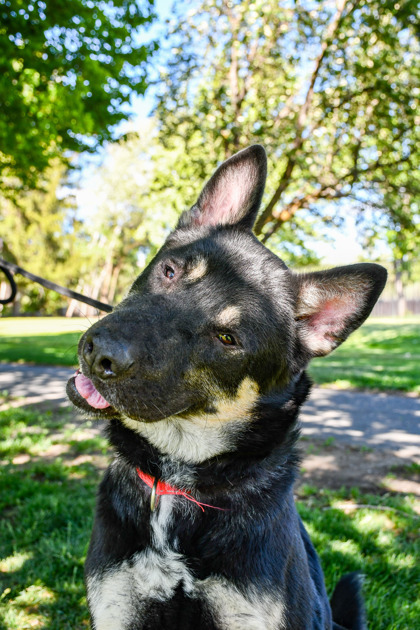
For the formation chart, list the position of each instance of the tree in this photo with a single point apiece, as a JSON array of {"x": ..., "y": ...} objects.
[
  {"x": 38, "y": 230},
  {"x": 128, "y": 215},
  {"x": 94, "y": 238},
  {"x": 330, "y": 89},
  {"x": 67, "y": 69},
  {"x": 399, "y": 231}
]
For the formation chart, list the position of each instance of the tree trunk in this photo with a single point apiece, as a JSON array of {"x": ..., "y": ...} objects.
[
  {"x": 399, "y": 288},
  {"x": 16, "y": 305},
  {"x": 113, "y": 283}
]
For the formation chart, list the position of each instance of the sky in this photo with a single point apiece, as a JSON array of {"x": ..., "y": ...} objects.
[{"x": 344, "y": 249}]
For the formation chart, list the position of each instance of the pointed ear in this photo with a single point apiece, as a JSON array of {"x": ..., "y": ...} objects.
[
  {"x": 332, "y": 304},
  {"x": 233, "y": 194}
]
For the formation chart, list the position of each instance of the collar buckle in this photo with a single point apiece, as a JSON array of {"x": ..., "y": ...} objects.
[{"x": 154, "y": 496}]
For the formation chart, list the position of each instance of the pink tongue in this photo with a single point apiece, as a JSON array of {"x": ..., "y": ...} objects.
[{"x": 87, "y": 390}]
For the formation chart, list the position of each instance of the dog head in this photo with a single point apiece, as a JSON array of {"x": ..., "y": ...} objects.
[{"x": 216, "y": 320}]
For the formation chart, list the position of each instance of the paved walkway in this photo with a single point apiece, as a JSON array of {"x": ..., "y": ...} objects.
[
  {"x": 363, "y": 419},
  {"x": 35, "y": 383}
]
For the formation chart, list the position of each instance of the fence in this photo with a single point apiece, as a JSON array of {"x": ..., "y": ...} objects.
[
  {"x": 391, "y": 307},
  {"x": 401, "y": 295}
]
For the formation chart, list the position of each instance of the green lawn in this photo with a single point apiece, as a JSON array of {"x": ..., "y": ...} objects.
[
  {"x": 41, "y": 340},
  {"x": 46, "y": 502},
  {"x": 48, "y": 479},
  {"x": 384, "y": 354}
]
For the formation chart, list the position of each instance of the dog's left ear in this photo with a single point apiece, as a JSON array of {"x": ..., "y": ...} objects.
[
  {"x": 332, "y": 304},
  {"x": 233, "y": 194}
]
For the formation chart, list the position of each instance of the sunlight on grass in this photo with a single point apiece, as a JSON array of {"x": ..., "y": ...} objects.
[
  {"x": 28, "y": 326},
  {"x": 41, "y": 340},
  {"x": 14, "y": 562},
  {"x": 345, "y": 547},
  {"x": 380, "y": 544},
  {"x": 47, "y": 508},
  {"x": 34, "y": 595},
  {"x": 382, "y": 354},
  {"x": 28, "y": 607}
]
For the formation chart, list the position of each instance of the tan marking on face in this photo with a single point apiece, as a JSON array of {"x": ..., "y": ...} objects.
[
  {"x": 198, "y": 271},
  {"x": 238, "y": 408},
  {"x": 230, "y": 316},
  {"x": 197, "y": 438}
]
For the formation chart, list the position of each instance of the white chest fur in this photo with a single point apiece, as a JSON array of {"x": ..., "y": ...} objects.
[{"x": 120, "y": 594}]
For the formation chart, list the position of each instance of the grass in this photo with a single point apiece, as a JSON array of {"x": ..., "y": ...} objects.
[
  {"x": 47, "y": 502},
  {"x": 41, "y": 340},
  {"x": 384, "y": 354},
  {"x": 381, "y": 544}
]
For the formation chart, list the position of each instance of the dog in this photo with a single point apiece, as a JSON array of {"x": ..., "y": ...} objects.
[{"x": 199, "y": 374}]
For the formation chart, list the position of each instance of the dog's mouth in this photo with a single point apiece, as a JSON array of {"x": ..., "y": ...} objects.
[
  {"x": 88, "y": 391},
  {"x": 83, "y": 393},
  {"x": 125, "y": 399}
]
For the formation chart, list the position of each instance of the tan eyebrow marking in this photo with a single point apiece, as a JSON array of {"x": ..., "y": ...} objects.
[
  {"x": 198, "y": 271},
  {"x": 230, "y": 316}
]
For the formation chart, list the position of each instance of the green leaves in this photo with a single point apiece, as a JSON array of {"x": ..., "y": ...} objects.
[
  {"x": 331, "y": 90},
  {"x": 66, "y": 70}
]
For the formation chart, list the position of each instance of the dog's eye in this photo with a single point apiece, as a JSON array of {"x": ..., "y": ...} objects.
[
  {"x": 168, "y": 272},
  {"x": 226, "y": 339}
]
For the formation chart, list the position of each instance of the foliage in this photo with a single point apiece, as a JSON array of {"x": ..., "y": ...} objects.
[
  {"x": 398, "y": 231},
  {"x": 98, "y": 248},
  {"x": 38, "y": 233},
  {"x": 47, "y": 504},
  {"x": 66, "y": 71},
  {"x": 126, "y": 216},
  {"x": 331, "y": 90}
]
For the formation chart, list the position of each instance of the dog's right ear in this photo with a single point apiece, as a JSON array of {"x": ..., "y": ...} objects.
[
  {"x": 233, "y": 194},
  {"x": 331, "y": 304}
]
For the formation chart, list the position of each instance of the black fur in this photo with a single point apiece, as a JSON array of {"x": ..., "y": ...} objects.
[
  {"x": 203, "y": 368},
  {"x": 347, "y": 603}
]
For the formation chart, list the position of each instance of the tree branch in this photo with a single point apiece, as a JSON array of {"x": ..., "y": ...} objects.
[
  {"x": 301, "y": 120},
  {"x": 299, "y": 202}
]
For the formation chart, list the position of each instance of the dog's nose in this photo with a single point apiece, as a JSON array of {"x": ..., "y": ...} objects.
[{"x": 106, "y": 358}]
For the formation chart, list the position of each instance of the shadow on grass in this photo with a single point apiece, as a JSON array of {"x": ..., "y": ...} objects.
[
  {"x": 47, "y": 515},
  {"x": 381, "y": 545},
  {"x": 333, "y": 465},
  {"x": 47, "y": 505},
  {"x": 47, "y": 510}
]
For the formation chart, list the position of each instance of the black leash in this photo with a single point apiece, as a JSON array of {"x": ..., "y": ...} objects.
[{"x": 9, "y": 269}]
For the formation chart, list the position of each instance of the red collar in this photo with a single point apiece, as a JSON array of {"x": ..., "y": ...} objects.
[{"x": 160, "y": 487}]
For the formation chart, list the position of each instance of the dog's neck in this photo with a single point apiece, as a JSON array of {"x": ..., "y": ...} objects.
[{"x": 264, "y": 446}]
